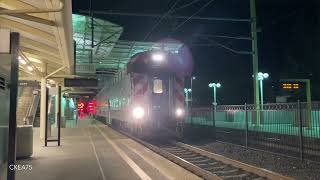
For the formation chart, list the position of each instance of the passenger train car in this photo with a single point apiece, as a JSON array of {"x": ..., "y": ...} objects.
[{"x": 146, "y": 96}]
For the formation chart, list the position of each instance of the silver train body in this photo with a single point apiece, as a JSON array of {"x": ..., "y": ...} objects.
[{"x": 147, "y": 95}]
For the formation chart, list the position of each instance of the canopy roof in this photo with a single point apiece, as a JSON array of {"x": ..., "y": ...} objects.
[
  {"x": 109, "y": 53},
  {"x": 46, "y": 38}
]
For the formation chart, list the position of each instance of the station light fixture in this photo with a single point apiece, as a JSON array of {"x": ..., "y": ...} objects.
[
  {"x": 21, "y": 60},
  {"x": 186, "y": 90},
  {"x": 214, "y": 86},
  {"x": 30, "y": 68},
  {"x": 260, "y": 77}
]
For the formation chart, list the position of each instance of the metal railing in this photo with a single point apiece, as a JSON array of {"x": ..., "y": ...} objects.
[{"x": 287, "y": 128}]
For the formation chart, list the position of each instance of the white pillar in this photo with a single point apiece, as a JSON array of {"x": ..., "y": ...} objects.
[
  {"x": 43, "y": 102},
  {"x": 57, "y": 106}
]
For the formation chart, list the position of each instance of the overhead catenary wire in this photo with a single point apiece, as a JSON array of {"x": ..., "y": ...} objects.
[
  {"x": 226, "y": 47},
  {"x": 160, "y": 20},
  {"x": 197, "y": 12},
  {"x": 187, "y": 5}
]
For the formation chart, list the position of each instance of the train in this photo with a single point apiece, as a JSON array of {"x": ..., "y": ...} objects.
[{"x": 147, "y": 96}]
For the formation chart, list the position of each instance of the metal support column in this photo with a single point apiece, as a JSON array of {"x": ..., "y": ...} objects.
[
  {"x": 59, "y": 114},
  {"x": 46, "y": 119},
  {"x": 300, "y": 129},
  {"x": 246, "y": 121},
  {"x": 43, "y": 112},
  {"x": 14, "y": 40},
  {"x": 254, "y": 37}
]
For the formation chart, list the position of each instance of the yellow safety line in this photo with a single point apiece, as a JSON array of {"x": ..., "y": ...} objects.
[
  {"x": 125, "y": 157},
  {"x": 148, "y": 161}
]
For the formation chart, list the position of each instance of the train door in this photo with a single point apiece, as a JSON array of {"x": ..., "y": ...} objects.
[{"x": 160, "y": 100}]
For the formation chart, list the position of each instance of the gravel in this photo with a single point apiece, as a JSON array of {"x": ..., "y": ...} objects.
[{"x": 287, "y": 166}]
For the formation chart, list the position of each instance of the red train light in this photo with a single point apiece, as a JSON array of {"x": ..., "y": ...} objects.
[
  {"x": 81, "y": 105},
  {"x": 91, "y": 108}
]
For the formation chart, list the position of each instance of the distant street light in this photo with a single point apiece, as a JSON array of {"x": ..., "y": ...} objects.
[
  {"x": 261, "y": 76},
  {"x": 214, "y": 86},
  {"x": 187, "y": 91}
]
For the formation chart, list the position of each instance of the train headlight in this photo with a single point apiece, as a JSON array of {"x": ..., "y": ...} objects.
[
  {"x": 179, "y": 112},
  {"x": 158, "y": 57},
  {"x": 138, "y": 112}
]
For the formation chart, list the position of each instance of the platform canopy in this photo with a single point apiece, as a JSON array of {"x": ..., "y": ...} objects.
[
  {"x": 109, "y": 53},
  {"x": 46, "y": 35}
]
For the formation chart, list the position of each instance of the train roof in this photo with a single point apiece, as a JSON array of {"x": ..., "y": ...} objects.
[{"x": 143, "y": 62}]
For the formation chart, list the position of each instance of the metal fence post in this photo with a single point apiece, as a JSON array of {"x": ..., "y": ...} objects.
[
  {"x": 214, "y": 121},
  {"x": 300, "y": 129},
  {"x": 246, "y": 122}
]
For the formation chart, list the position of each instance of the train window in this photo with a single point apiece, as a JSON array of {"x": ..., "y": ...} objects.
[{"x": 157, "y": 86}]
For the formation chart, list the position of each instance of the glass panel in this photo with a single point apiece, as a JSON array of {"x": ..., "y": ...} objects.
[
  {"x": 4, "y": 115},
  {"x": 157, "y": 86}
]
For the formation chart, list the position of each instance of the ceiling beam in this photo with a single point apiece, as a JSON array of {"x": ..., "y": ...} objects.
[
  {"x": 32, "y": 18},
  {"x": 40, "y": 53},
  {"x": 17, "y": 4},
  {"x": 42, "y": 57},
  {"x": 29, "y": 43},
  {"x": 17, "y": 26}
]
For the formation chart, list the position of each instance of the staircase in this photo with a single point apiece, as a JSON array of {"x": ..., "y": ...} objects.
[
  {"x": 24, "y": 102},
  {"x": 27, "y": 102}
]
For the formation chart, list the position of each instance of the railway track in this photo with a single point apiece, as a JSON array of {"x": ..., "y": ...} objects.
[{"x": 206, "y": 164}]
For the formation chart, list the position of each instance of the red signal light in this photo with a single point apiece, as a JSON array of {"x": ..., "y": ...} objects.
[{"x": 91, "y": 108}]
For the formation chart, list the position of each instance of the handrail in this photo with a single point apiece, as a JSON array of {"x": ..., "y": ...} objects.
[
  {"x": 32, "y": 110},
  {"x": 35, "y": 107},
  {"x": 26, "y": 118}
]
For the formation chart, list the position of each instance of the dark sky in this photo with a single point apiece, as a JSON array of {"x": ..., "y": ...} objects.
[{"x": 288, "y": 40}]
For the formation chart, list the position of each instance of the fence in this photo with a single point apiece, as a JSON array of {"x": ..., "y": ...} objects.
[{"x": 290, "y": 128}]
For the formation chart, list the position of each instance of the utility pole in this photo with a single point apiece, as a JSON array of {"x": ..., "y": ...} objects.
[
  {"x": 92, "y": 32},
  {"x": 254, "y": 40}
]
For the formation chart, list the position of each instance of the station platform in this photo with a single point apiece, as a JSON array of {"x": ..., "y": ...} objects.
[{"x": 94, "y": 151}]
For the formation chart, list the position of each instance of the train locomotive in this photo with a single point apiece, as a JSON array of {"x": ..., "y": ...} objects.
[{"x": 147, "y": 96}]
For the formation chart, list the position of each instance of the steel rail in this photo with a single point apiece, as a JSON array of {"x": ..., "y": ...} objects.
[{"x": 191, "y": 158}]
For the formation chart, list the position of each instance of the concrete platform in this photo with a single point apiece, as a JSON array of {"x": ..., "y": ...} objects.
[{"x": 96, "y": 152}]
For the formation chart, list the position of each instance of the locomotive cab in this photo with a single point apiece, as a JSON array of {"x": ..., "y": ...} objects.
[{"x": 165, "y": 104}]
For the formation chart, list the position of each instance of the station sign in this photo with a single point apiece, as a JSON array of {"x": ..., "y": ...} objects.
[
  {"x": 80, "y": 82},
  {"x": 291, "y": 86}
]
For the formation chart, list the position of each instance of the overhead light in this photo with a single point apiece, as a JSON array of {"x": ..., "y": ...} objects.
[
  {"x": 19, "y": 57},
  {"x": 30, "y": 68}
]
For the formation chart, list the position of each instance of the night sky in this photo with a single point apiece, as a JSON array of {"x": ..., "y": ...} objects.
[{"x": 288, "y": 40}]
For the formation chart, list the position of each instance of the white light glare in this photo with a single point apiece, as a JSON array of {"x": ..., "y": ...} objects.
[
  {"x": 22, "y": 61},
  {"x": 138, "y": 112},
  {"x": 179, "y": 112}
]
